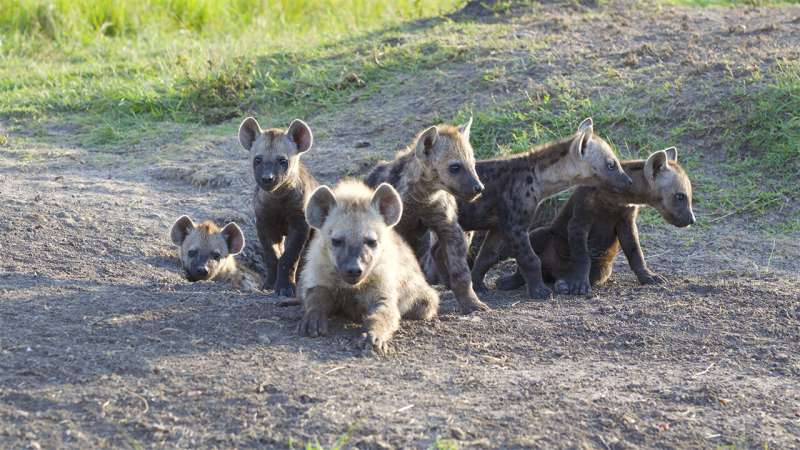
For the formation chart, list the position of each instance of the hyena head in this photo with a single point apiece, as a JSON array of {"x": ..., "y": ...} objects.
[
  {"x": 354, "y": 223},
  {"x": 275, "y": 153},
  {"x": 669, "y": 187},
  {"x": 205, "y": 248},
  {"x": 448, "y": 159},
  {"x": 595, "y": 154}
]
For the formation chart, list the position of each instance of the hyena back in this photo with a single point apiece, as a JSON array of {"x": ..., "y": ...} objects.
[
  {"x": 436, "y": 168},
  {"x": 282, "y": 187},
  {"x": 207, "y": 252},
  {"x": 358, "y": 266},
  {"x": 579, "y": 247}
]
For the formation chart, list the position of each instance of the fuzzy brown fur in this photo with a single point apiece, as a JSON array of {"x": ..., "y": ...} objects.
[
  {"x": 579, "y": 247},
  {"x": 207, "y": 252},
  {"x": 438, "y": 166},
  {"x": 282, "y": 186},
  {"x": 358, "y": 266},
  {"x": 516, "y": 185}
]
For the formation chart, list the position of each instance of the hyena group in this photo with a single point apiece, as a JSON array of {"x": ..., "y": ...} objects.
[{"x": 355, "y": 250}]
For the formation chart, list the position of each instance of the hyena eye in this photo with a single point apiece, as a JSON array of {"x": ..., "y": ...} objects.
[
  {"x": 191, "y": 253},
  {"x": 454, "y": 168},
  {"x": 371, "y": 243},
  {"x": 337, "y": 242},
  {"x": 216, "y": 255},
  {"x": 258, "y": 159},
  {"x": 611, "y": 165},
  {"x": 283, "y": 162},
  {"x": 680, "y": 196}
]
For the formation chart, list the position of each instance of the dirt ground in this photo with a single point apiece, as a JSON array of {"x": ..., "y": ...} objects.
[{"x": 103, "y": 344}]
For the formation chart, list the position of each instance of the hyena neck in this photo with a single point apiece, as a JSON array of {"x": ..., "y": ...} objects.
[
  {"x": 639, "y": 193},
  {"x": 560, "y": 174},
  {"x": 421, "y": 184}
]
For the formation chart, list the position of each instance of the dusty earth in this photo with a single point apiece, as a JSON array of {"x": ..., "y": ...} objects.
[{"x": 103, "y": 344}]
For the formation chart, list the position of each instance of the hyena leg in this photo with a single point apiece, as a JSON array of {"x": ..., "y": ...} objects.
[
  {"x": 318, "y": 304},
  {"x": 425, "y": 306},
  {"x": 528, "y": 263},
  {"x": 452, "y": 238},
  {"x": 380, "y": 323},
  {"x": 287, "y": 265},
  {"x": 270, "y": 258},
  {"x": 487, "y": 257}
]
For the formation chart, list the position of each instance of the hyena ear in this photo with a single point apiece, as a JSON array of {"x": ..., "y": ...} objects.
[
  {"x": 300, "y": 134},
  {"x": 426, "y": 142},
  {"x": 180, "y": 229},
  {"x": 672, "y": 154},
  {"x": 233, "y": 237},
  {"x": 464, "y": 128},
  {"x": 654, "y": 165},
  {"x": 249, "y": 131},
  {"x": 387, "y": 202},
  {"x": 584, "y": 134},
  {"x": 319, "y": 206}
]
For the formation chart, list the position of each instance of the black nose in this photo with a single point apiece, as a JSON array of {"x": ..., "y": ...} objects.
[
  {"x": 202, "y": 271},
  {"x": 478, "y": 188},
  {"x": 354, "y": 271},
  {"x": 268, "y": 177}
]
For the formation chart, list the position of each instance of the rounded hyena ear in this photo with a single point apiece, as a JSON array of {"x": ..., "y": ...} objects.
[
  {"x": 672, "y": 154},
  {"x": 319, "y": 205},
  {"x": 426, "y": 142},
  {"x": 654, "y": 165},
  {"x": 388, "y": 203},
  {"x": 300, "y": 135},
  {"x": 586, "y": 127},
  {"x": 233, "y": 237},
  {"x": 464, "y": 128},
  {"x": 249, "y": 131},
  {"x": 180, "y": 229}
]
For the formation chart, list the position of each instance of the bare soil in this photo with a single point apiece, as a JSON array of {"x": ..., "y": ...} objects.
[{"x": 103, "y": 344}]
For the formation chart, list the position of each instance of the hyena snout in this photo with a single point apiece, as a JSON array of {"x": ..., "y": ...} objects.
[
  {"x": 351, "y": 265},
  {"x": 198, "y": 272},
  {"x": 469, "y": 187}
]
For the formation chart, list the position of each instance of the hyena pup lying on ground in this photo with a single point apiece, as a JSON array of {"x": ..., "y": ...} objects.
[
  {"x": 357, "y": 265},
  {"x": 439, "y": 164},
  {"x": 207, "y": 252},
  {"x": 515, "y": 185},
  {"x": 282, "y": 186},
  {"x": 579, "y": 247}
]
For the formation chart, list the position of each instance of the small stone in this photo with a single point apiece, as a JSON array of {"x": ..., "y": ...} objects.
[{"x": 458, "y": 433}]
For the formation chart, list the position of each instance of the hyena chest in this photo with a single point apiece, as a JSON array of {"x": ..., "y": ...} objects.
[{"x": 603, "y": 242}]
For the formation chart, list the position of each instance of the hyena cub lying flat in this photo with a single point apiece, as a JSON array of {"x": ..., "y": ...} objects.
[
  {"x": 439, "y": 164},
  {"x": 515, "y": 185},
  {"x": 358, "y": 266},
  {"x": 579, "y": 247},
  {"x": 282, "y": 186},
  {"x": 207, "y": 252}
]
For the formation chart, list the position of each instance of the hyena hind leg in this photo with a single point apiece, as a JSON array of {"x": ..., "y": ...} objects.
[{"x": 425, "y": 306}]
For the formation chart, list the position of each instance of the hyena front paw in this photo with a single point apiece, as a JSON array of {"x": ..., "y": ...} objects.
[
  {"x": 313, "y": 324},
  {"x": 539, "y": 292},
  {"x": 285, "y": 290},
  {"x": 373, "y": 343},
  {"x": 471, "y": 304},
  {"x": 268, "y": 284},
  {"x": 651, "y": 278}
]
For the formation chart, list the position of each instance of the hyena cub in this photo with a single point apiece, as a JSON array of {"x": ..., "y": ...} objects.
[
  {"x": 207, "y": 252},
  {"x": 439, "y": 164},
  {"x": 358, "y": 266},
  {"x": 515, "y": 185},
  {"x": 579, "y": 247},
  {"x": 282, "y": 186}
]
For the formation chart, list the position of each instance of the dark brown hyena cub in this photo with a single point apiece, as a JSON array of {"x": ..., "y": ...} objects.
[
  {"x": 359, "y": 266},
  {"x": 207, "y": 252},
  {"x": 515, "y": 185},
  {"x": 579, "y": 247},
  {"x": 438, "y": 164},
  {"x": 283, "y": 184}
]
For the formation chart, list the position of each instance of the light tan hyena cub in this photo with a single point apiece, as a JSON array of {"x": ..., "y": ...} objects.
[
  {"x": 207, "y": 252},
  {"x": 359, "y": 266}
]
